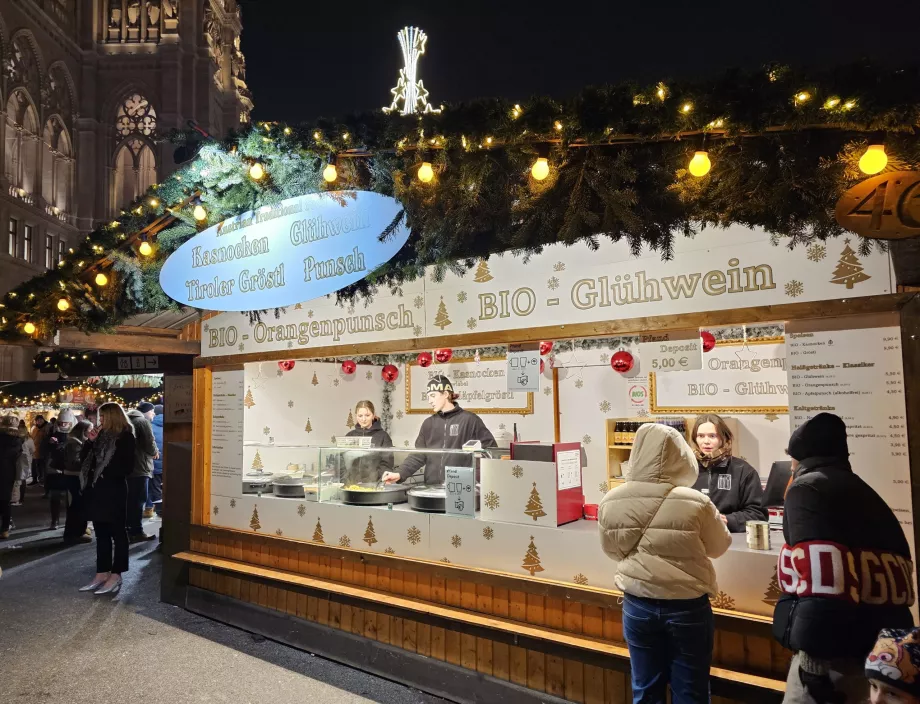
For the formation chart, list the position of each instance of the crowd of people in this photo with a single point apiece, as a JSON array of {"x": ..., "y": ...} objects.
[
  {"x": 845, "y": 570},
  {"x": 107, "y": 473}
]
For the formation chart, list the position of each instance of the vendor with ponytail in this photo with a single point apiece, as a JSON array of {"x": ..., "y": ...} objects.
[
  {"x": 368, "y": 466},
  {"x": 732, "y": 484}
]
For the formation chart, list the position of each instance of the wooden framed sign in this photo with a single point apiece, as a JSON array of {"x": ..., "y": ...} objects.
[{"x": 884, "y": 207}]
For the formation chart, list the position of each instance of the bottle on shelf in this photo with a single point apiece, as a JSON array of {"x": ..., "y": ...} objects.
[{"x": 617, "y": 432}]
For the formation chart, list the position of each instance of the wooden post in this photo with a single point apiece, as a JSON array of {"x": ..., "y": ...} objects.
[
  {"x": 910, "y": 351},
  {"x": 201, "y": 449}
]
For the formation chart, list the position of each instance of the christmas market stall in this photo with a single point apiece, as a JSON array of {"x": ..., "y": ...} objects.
[{"x": 567, "y": 271}]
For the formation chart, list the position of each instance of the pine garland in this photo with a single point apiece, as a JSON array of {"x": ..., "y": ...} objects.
[{"x": 784, "y": 147}]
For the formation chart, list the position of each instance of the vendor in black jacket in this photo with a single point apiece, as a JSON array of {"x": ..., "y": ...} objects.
[
  {"x": 448, "y": 429},
  {"x": 362, "y": 467},
  {"x": 845, "y": 570},
  {"x": 731, "y": 483}
]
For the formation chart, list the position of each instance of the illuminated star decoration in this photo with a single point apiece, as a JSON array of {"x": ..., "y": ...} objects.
[
  {"x": 259, "y": 380},
  {"x": 745, "y": 354},
  {"x": 572, "y": 362},
  {"x": 410, "y": 95}
]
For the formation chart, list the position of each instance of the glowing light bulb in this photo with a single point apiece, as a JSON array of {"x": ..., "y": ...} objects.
[
  {"x": 558, "y": 126},
  {"x": 700, "y": 164},
  {"x": 29, "y": 328},
  {"x": 200, "y": 213},
  {"x": 154, "y": 203},
  {"x": 540, "y": 169},
  {"x": 330, "y": 173},
  {"x": 686, "y": 108},
  {"x": 831, "y": 103},
  {"x": 102, "y": 279},
  {"x": 874, "y": 160},
  {"x": 425, "y": 172},
  {"x": 802, "y": 97},
  {"x": 257, "y": 172},
  {"x": 63, "y": 304},
  {"x": 145, "y": 249}
]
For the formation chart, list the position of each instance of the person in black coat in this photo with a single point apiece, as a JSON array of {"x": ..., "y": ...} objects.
[
  {"x": 10, "y": 447},
  {"x": 75, "y": 525},
  {"x": 732, "y": 484},
  {"x": 368, "y": 466},
  {"x": 108, "y": 459},
  {"x": 845, "y": 570}
]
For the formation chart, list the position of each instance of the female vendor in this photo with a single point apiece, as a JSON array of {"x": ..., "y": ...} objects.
[
  {"x": 731, "y": 483},
  {"x": 362, "y": 467}
]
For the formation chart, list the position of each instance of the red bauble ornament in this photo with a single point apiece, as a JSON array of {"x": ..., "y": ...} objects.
[
  {"x": 546, "y": 346},
  {"x": 424, "y": 359},
  {"x": 709, "y": 341},
  {"x": 389, "y": 373},
  {"x": 542, "y": 366},
  {"x": 622, "y": 362},
  {"x": 349, "y": 366},
  {"x": 444, "y": 355},
  {"x": 286, "y": 365}
]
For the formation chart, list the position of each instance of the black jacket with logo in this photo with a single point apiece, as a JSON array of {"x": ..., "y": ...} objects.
[
  {"x": 445, "y": 431},
  {"x": 827, "y": 503},
  {"x": 368, "y": 466},
  {"x": 734, "y": 487}
]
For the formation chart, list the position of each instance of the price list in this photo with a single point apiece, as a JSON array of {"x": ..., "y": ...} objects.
[
  {"x": 857, "y": 374},
  {"x": 226, "y": 433}
]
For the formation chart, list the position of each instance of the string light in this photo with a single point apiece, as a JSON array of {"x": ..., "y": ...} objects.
[
  {"x": 29, "y": 328},
  {"x": 145, "y": 249},
  {"x": 257, "y": 172},
  {"x": 700, "y": 164},
  {"x": 661, "y": 91},
  {"x": 63, "y": 304},
  {"x": 425, "y": 172},
  {"x": 831, "y": 103},
  {"x": 558, "y": 126},
  {"x": 874, "y": 160},
  {"x": 849, "y": 105},
  {"x": 330, "y": 173},
  {"x": 802, "y": 97},
  {"x": 154, "y": 203},
  {"x": 101, "y": 279},
  {"x": 540, "y": 168},
  {"x": 200, "y": 213},
  {"x": 686, "y": 108}
]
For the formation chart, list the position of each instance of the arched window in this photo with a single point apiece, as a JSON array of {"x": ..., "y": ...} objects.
[
  {"x": 22, "y": 142},
  {"x": 57, "y": 167},
  {"x": 135, "y": 162}
]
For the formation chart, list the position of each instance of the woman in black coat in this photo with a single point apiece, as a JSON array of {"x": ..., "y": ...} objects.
[
  {"x": 363, "y": 467},
  {"x": 107, "y": 461},
  {"x": 10, "y": 447}
]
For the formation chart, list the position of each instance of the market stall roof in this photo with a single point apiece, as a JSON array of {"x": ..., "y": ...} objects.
[{"x": 35, "y": 389}]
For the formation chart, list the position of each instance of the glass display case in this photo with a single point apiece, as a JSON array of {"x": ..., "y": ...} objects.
[{"x": 354, "y": 475}]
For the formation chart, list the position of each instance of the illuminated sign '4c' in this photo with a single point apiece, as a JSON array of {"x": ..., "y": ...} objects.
[{"x": 297, "y": 250}]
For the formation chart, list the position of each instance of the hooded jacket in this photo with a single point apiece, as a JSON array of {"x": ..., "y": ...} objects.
[
  {"x": 368, "y": 466},
  {"x": 445, "y": 431},
  {"x": 734, "y": 487},
  {"x": 660, "y": 532},
  {"x": 145, "y": 448}
]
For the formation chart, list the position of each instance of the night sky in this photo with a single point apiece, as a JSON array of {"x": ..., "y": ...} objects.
[{"x": 307, "y": 59}]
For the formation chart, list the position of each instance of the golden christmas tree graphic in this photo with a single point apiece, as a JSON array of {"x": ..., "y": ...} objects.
[
  {"x": 309, "y": 426},
  {"x": 315, "y": 381},
  {"x": 482, "y": 272},
  {"x": 534, "y": 507},
  {"x": 351, "y": 420},
  {"x": 532, "y": 559},
  {"x": 440, "y": 318},
  {"x": 773, "y": 593},
  {"x": 254, "y": 521},
  {"x": 318, "y": 533},
  {"x": 849, "y": 269},
  {"x": 370, "y": 536},
  {"x": 249, "y": 402},
  {"x": 257, "y": 462}
]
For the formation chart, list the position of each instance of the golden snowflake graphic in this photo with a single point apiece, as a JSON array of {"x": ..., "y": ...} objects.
[
  {"x": 547, "y": 391},
  {"x": 279, "y": 373},
  {"x": 794, "y": 289},
  {"x": 604, "y": 406},
  {"x": 369, "y": 376},
  {"x": 301, "y": 510},
  {"x": 414, "y": 535},
  {"x": 579, "y": 383},
  {"x": 722, "y": 601},
  {"x": 309, "y": 313},
  {"x": 559, "y": 266},
  {"x": 417, "y": 331},
  {"x": 471, "y": 323},
  {"x": 586, "y": 439},
  {"x": 405, "y": 443},
  {"x": 552, "y": 283},
  {"x": 517, "y": 471},
  {"x": 266, "y": 430},
  {"x": 390, "y": 551},
  {"x": 605, "y": 358},
  {"x": 335, "y": 382},
  {"x": 491, "y": 501},
  {"x": 290, "y": 404},
  {"x": 456, "y": 541},
  {"x": 232, "y": 503},
  {"x": 345, "y": 541},
  {"x": 816, "y": 252},
  {"x": 461, "y": 297},
  {"x": 351, "y": 310},
  {"x": 242, "y": 347},
  {"x": 488, "y": 533},
  {"x": 399, "y": 414},
  {"x": 580, "y": 579},
  {"x": 298, "y": 306},
  {"x": 418, "y": 301},
  {"x": 603, "y": 488}
]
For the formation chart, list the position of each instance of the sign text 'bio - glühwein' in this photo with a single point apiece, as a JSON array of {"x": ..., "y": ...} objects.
[{"x": 297, "y": 250}]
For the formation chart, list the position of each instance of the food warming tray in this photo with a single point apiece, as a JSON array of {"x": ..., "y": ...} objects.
[
  {"x": 258, "y": 483},
  {"x": 431, "y": 499},
  {"x": 289, "y": 487},
  {"x": 373, "y": 494}
]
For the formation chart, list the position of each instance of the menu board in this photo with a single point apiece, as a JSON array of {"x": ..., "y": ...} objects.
[
  {"x": 227, "y": 433},
  {"x": 857, "y": 373}
]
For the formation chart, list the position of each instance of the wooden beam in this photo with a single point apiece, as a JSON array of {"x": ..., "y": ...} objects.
[
  {"x": 70, "y": 338},
  {"x": 143, "y": 330},
  {"x": 606, "y": 328}
]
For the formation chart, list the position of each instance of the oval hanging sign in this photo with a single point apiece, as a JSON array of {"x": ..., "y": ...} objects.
[
  {"x": 297, "y": 250},
  {"x": 884, "y": 207}
]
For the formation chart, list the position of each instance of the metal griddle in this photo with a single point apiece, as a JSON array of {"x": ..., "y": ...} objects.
[{"x": 379, "y": 494}]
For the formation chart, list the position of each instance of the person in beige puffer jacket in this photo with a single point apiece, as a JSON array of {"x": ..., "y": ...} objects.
[{"x": 662, "y": 534}]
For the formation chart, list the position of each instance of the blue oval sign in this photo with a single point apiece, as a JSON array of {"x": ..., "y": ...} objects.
[{"x": 297, "y": 250}]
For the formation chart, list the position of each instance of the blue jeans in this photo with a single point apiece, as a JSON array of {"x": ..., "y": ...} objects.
[
  {"x": 670, "y": 642},
  {"x": 137, "y": 498}
]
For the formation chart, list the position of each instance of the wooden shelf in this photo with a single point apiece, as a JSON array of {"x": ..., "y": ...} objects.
[{"x": 619, "y": 447}]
